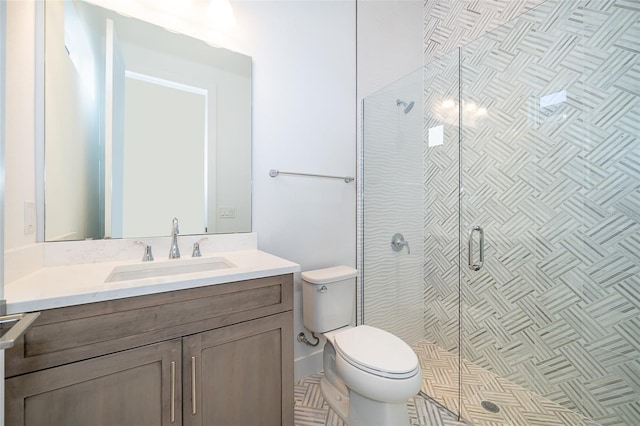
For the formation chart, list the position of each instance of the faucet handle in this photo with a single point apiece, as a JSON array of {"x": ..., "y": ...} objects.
[
  {"x": 148, "y": 255},
  {"x": 196, "y": 247}
]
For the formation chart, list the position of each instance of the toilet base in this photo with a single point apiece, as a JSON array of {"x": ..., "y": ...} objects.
[
  {"x": 338, "y": 401},
  {"x": 357, "y": 410},
  {"x": 367, "y": 412}
]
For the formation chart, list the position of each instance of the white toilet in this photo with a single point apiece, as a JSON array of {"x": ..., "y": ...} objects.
[{"x": 369, "y": 374}]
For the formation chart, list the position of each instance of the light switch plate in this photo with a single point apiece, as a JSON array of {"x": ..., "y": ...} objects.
[{"x": 227, "y": 212}]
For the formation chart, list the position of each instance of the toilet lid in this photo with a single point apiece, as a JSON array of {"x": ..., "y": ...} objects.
[{"x": 376, "y": 351}]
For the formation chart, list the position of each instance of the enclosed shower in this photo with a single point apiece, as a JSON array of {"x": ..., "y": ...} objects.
[{"x": 514, "y": 181}]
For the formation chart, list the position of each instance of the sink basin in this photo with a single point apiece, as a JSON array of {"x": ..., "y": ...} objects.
[{"x": 162, "y": 269}]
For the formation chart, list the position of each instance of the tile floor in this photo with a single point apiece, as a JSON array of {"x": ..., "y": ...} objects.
[
  {"x": 518, "y": 406},
  {"x": 311, "y": 408}
]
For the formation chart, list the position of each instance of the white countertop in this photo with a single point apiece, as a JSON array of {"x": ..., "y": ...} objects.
[{"x": 58, "y": 286}]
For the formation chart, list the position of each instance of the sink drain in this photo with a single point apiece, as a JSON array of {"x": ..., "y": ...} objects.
[{"x": 490, "y": 406}]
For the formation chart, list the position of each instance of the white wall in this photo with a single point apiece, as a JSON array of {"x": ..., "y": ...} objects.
[
  {"x": 304, "y": 119},
  {"x": 390, "y": 48},
  {"x": 3, "y": 15},
  {"x": 20, "y": 120},
  {"x": 389, "y": 42}
]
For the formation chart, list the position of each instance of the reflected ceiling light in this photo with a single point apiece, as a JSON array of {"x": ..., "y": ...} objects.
[
  {"x": 448, "y": 103},
  {"x": 553, "y": 99},
  {"x": 436, "y": 136},
  {"x": 471, "y": 107},
  {"x": 449, "y": 111},
  {"x": 221, "y": 14}
]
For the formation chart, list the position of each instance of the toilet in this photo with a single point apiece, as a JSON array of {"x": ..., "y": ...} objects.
[{"x": 369, "y": 374}]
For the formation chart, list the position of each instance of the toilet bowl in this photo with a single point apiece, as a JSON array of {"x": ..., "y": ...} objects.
[{"x": 369, "y": 374}]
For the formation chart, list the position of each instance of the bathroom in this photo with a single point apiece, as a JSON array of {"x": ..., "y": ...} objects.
[{"x": 313, "y": 64}]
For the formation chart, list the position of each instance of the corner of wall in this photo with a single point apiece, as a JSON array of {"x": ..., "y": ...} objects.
[{"x": 307, "y": 365}]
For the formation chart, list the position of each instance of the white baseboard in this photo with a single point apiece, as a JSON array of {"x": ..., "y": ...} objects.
[{"x": 307, "y": 365}]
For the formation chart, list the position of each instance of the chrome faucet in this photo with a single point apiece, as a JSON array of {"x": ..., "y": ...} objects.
[{"x": 174, "y": 251}]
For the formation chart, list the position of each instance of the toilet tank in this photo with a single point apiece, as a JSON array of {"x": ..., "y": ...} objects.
[{"x": 328, "y": 298}]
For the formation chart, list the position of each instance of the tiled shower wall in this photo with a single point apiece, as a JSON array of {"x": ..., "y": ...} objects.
[
  {"x": 391, "y": 161},
  {"x": 556, "y": 308},
  {"x": 449, "y": 24}
]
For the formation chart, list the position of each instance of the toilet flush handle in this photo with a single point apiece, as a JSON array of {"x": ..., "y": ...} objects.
[{"x": 322, "y": 289}]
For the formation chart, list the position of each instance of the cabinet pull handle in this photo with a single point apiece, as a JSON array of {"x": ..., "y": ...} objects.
[
  {"x": 173, "y": 391},
  {"x": 193, "y": 384}
]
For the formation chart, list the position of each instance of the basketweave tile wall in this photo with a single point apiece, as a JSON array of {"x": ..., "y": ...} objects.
[
  {"x": 394, "y": 199},
  {"x": 557, "y": 188},
  {"x": 448, "y": 25}
]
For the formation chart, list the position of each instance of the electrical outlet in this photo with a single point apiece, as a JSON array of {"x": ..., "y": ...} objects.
[
  {"x": 29, "y": 217},
  {"x": 227, "y": 212}
]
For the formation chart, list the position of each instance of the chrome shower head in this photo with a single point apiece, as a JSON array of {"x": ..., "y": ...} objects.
[{"x": 407, "y": 106}]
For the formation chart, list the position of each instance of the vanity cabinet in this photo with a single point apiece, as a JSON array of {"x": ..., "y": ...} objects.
[
  {"x": 230, "y": 374},
  {"x": 213, "y": 355},
  {"x": 136, "y": 387}
]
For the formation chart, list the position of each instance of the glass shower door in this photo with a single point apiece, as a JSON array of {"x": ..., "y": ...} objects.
[
  {"x": 410, "y": 135},
  {"x": 550, "y": 223},
  {"x": 440, "y": 352},
  {"x": 391, "y": 297}
]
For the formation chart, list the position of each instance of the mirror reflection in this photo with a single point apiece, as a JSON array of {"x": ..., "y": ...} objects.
[{"x": 141, "y": 125}]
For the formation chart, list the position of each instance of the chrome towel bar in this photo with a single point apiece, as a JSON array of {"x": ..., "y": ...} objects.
[{"x": 346, "y": 179}]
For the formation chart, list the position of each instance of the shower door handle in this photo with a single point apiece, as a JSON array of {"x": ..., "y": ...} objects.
[{"x": 476, "y": 266}]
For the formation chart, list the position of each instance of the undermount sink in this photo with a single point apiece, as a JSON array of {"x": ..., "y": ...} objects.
[{"x": 173, "y": 267}]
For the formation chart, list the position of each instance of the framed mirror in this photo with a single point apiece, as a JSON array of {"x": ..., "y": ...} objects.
[{"x": 141, "y": 125}]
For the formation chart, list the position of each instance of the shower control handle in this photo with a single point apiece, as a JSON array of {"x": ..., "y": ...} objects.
[
  {"x": 398, "y": 242},
  {"x": 476, "y": 266}
]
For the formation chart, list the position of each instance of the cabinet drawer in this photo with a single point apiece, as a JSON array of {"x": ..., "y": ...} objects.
[{"x": 69, "y": 334}]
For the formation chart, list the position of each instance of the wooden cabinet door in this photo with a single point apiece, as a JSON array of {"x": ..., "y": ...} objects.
[
  {"x": 137, "y": 387},
  {"x": 243, "y": 374}
]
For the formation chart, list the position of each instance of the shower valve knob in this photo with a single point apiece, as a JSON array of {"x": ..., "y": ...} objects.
[{"x": 398, "y": 242}]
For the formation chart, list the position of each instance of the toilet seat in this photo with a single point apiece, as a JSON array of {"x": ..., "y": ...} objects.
[{"x": 377, "y": 352}]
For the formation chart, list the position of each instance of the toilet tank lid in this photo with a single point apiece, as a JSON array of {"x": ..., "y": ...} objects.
[{"x": 329, "y": 275}]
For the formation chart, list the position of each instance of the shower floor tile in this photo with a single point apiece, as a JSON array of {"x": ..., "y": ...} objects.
[
  {"x": 518, "y": 406},
  {"x": 311, "y": 409}
]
